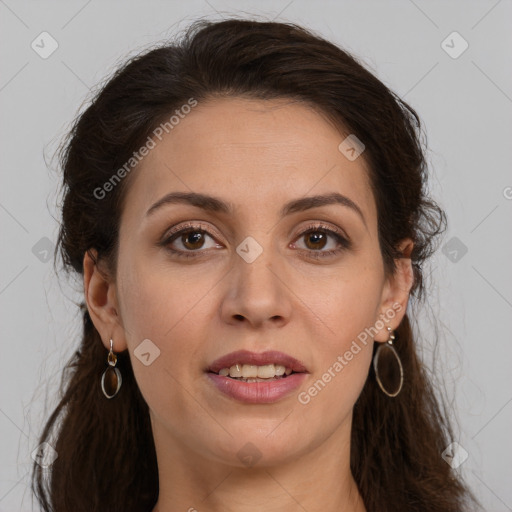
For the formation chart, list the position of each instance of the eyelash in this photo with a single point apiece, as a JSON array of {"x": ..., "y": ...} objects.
[{"x": 313, "y": 228}]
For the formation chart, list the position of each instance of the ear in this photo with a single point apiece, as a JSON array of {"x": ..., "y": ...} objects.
[
  {"x": 100, "y": 295},
  {"x": 395, "y": 293}
]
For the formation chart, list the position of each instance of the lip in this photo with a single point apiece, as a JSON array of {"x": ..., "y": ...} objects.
[
  {"x": 257, "y": 392},
  {"x": 258, "y": 359}
]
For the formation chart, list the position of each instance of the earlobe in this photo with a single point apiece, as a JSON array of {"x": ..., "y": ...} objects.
[
  {"x": 396, "y": 292},
  {"x": 100, "y": 296}
]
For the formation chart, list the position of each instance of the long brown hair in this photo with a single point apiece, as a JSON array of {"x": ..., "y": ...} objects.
[{"x": 106, "y": 455}]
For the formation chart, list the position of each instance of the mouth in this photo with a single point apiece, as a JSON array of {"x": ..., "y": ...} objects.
[
  {"x": 257, "y": 378},
  {"x": 247, "y": 366},
  {"x": 253, "y": 373}
]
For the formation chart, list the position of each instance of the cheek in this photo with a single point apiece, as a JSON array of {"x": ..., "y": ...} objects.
[
  {"x": 341, "y": 369},
  {"x": 345, "y": 303},
  {"x": 160, "y": 317},
  {"x": 158, "y": 298},
  {"x": 349, "y": 309}
]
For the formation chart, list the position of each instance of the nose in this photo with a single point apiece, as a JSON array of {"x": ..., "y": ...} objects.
[{"x": 256, "y": 292}]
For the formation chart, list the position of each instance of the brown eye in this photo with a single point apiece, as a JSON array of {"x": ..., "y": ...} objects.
[
  {"x": 192, "y": 240},
  {"x": 319, "y": 241},
  {"x": 315, "y": 240}
]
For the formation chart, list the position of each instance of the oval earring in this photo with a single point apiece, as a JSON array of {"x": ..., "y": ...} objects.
[
  {"x": 396, "y": 377},
  {"x": 111, "y": 379}
]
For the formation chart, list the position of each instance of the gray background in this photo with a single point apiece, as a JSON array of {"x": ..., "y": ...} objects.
[{"x": 465, "y": 103}]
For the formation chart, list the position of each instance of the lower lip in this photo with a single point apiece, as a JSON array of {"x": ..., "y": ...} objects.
[{"x": 258, "y": 392}]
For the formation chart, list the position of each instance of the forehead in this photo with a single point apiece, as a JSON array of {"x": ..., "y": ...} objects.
[{"x": 253, "y": 153}]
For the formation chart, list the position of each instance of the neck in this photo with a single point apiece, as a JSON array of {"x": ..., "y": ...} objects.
[{"x": 318, "y": 480}]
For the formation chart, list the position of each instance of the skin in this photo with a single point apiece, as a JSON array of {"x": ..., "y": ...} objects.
[{"x": 258, "y": 155}]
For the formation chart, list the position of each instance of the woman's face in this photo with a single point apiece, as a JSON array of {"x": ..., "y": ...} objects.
[{"x": 248, "y": 278}]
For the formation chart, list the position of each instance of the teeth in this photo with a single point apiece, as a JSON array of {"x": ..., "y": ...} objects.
[
  {"x": 266, "y": 372},
  {"x": 250, "y": 371},
  {"x": 280, "y": 369},
  {"x": 236, "y": 371}
]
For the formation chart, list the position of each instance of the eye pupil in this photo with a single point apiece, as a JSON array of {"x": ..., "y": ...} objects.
[
  {"x": 196, "y": 236},
  {"x": 318, "y": 237}
]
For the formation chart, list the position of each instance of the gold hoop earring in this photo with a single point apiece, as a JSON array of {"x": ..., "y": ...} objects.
[
  {"x": 111, "y": 379},
  {"x": 389, "y": 373}
]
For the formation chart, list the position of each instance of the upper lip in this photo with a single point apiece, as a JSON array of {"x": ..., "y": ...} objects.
[{"x": 258, "y": 359}]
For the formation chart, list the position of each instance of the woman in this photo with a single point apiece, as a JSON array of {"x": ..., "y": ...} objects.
[{"x": 247, "y": 209}]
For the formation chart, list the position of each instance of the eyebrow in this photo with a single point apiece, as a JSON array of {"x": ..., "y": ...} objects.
[{"x": 214, "y": 204}]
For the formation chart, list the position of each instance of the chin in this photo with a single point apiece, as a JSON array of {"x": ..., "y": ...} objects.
[{"x": 259, "y": 447}]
